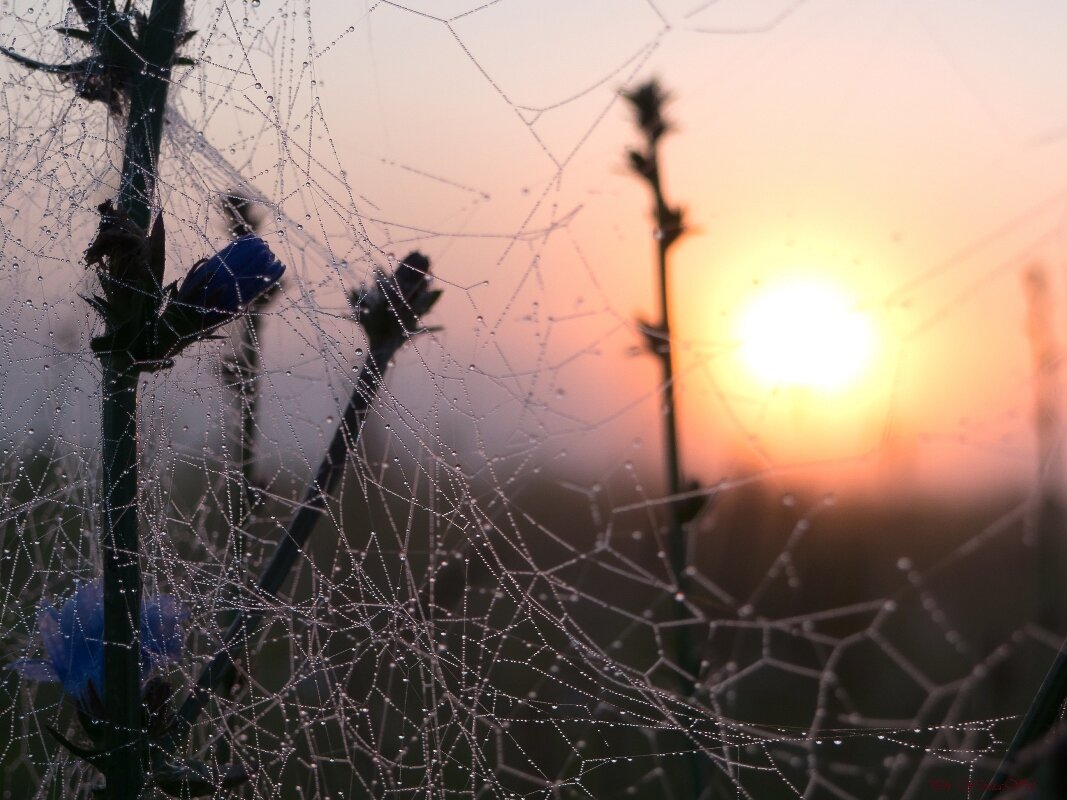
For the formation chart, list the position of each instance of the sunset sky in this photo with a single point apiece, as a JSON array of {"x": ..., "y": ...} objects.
[
  {"x": 909, "y": 157},
  {"x": 914, "y": 154}
]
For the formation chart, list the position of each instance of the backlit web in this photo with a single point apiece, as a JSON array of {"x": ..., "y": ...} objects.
[{"x": 487, "y": 608}]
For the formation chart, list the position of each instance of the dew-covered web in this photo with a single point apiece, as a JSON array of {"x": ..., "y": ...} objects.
[{"x": 487, "y": 609}]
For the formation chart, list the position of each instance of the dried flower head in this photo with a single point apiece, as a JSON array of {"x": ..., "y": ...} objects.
[
  {"x": 648, "y": 101},
  {"x": 392, "y": 307}
]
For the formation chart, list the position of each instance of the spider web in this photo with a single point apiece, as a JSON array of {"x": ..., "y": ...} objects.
[{"x": 487, "y": 609}]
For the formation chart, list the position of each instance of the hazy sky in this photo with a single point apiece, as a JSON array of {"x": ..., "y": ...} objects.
[{"x": 913, "y": 152}]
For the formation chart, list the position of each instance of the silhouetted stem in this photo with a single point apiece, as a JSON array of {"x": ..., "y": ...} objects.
[
  {"x": 679, "y": 551},
  {"x": 1050, "y": 516},
  {"x": 245, "y": 370},
  {"x": 148, "y": 101},
  {"x": 1047, "y": 705},
  {"x": 648, "y": 101},
  {"x": 122, "y": 582},
  {"x": 124, "y": 768},
  {"x": 677, "y": 541},
  {"x": 246, "y": 374},
  {"x": 1040, "y": 718},
  {"x": 220, "y": 673},
  {"x": 249, "y": 368},
  {"x": 678, "y": 546}
]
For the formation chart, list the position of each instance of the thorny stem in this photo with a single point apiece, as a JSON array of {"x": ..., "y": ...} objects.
[
  {"x": 221, "y": 672},
  {"x": 124, "y": 768}
]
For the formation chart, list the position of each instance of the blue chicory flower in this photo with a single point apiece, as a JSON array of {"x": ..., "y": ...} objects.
[
  {"x": 73, "y": 641},
  {"x": 224, "y": 285}
]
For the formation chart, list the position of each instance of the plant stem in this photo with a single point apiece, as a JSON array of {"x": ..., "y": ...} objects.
[
  {"x": 122, "y": 581},
  {"x": 677, "y": 544},
  {"x": 1039, "y": 719},
  {"x": 1048, "y": 429},
  {"x": 148, "y": 101},
  {"x": 221, "y": 673},
  {"x": 125, "y": 769},
  {"x": 679, "y": 551},
  {"x": 677, "y": 540},
  {"x": 246, "y": 372},
  {"x": 648, "y": 102}
]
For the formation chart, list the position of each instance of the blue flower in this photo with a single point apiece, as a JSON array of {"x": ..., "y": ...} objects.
[
  {"x": 221, "y": 287},
  {"x": 73, "y": 641}
]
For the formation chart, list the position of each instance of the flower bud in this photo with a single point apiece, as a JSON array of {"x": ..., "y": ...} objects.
[{"x": 222, "y": 286}]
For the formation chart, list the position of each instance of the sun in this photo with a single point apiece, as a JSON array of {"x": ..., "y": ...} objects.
[{"x": 805, "y": 332}]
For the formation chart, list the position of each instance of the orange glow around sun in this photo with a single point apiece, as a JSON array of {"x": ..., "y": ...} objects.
[{"x": 805, "y": 332}]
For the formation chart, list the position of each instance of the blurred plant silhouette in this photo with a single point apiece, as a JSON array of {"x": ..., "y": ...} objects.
[
  {"x": 98, "y": 643},
  {"x": 648, "y": 103},
  {"x": 243, "y": 370}
]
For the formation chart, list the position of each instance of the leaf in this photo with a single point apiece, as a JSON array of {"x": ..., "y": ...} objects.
[
  {"x": 92, "y": 12},
  {"x": 77, "y": 68},
  {"x": 75, "y": 33},
  {"x": 157, "y": 249},
  {"x": 99, "y": 304},
  {"x": 424, "y": 302},
  {"x": 656, "y": 339},
  {"x": 182, "y": 61},
  {"x": 689, "y": 508},
  {"x": 639, "y": 163},
  {"x": 93, "y": 757},
  {"x": 194, "y": 779}
]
